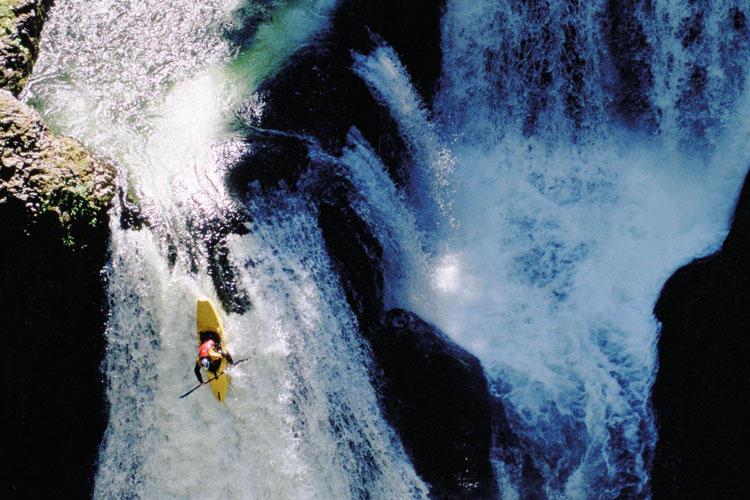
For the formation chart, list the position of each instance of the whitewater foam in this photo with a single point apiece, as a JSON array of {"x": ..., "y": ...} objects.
[
  {"x": 564, "y": 227},
  {"x": 157, "y": 87}
]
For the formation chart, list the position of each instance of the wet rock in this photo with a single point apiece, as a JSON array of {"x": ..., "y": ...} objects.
[
  {"x": 317, "y": 98},
  {"x": 223, "y": 273},
  {"x": 271, "y": 160},
  {"x": 52, "y": 174},
  {"x": 631, "y": 55},
  {"x": 435, "y": 395},
  {"x": 131, "y": 215},
  {"x": 356, "y": 252},
  {"x": 433, "y": 392},
  {"x": 53, "y": 308},
  {"x": 700, "y": 392},
  {"x": 54, "y": 198},
  {"x": 411, "y": 28}
]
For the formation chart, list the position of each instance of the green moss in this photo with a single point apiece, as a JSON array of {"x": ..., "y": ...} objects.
[
  {"x": 73, "y": 208},
  {"x": 16, "y": 86},
  {"x": 18, "y": 57},
  {"x": 132, "y": 196},
  {"x": 68, "y": 190},
  {"x": 7, "y": 15}
]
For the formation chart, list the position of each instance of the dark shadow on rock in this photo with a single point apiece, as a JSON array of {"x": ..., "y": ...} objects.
[
  {"x": 433, "y": 392},
  {"x": 223, "y": 273},
  {"x": 131, "y": 215},
  {"x": 435, "y": 395},
  {"x": 356, "y": 252},
  {"x": 701, "y": 388},
  {"x": 412, "y": 29},
  {"x": 316, "y": 97},
  {"x": 53, "y": 309},
  {"x": 271, "y": 160}
]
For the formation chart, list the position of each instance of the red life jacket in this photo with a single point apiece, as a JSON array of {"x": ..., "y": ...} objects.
[{"x": 205, "y": 348}]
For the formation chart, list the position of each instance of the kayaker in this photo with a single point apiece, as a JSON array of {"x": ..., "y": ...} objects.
[{"x": 210, "y": 355}]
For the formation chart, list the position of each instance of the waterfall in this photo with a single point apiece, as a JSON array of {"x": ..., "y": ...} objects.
[
  {"x": 574, "y": 175},
  {"x": 573, "y": 155},
  {"x": 156, "y": 86}
]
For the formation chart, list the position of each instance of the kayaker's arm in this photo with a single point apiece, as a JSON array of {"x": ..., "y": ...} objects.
[
  {"x": 217, "y": 354},
  {"x": 198, "y": 371}
]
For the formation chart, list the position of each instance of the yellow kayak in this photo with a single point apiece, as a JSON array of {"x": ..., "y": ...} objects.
[{"x": 209, "y": 325}]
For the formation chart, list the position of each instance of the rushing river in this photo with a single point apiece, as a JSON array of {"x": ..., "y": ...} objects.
[{"x": 553, "y": 191}]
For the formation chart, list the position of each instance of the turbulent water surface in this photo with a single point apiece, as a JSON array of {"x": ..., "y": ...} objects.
[{"x": 575, "y": 155}]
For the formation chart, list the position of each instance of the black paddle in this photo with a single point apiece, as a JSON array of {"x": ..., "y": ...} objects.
[{"x": 213, "y": 378}]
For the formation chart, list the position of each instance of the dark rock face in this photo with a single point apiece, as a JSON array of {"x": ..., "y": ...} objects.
[
  {"x": 356, "y": 252},
  {"x": 700, "y": 392},
  {"x": 21, "y": 24},
  {"x": 411, "y": 28},
  {"x": 433, "y": 392},
  {"x": 631, "y": 54},
  {"x": 53, "y": 309},
  {"x": 436, "y": 396},
  {"x": 223, "y": 274},
  {"x": 273, "y": 159},
  {"x": 317, "y": 95},
  {"x": 347, "y": 236},
  {"x": 54, "y": 198}
]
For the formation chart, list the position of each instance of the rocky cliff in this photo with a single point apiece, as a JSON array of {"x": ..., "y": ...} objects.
[
  {"x": 701, "y": 388},
  {"x": 432, "y": 392},
  {"x": 54, "y": 199},
  {"x": 21, "y": 24}
]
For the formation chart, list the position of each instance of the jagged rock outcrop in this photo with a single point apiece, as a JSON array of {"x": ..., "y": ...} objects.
[
  {"x": 436, "y": 395},
  {"x": 318, "y": 96},
  {"x": 433, "y": 392},
  {"x": 701, "y": 388},
  {"x": 54, "y": 199},
  {"x": 47, "y": 173},
  {"x": 21, "y": 24}
]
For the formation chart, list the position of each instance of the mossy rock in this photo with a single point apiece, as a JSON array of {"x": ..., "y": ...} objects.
[
  {"x": 21, "y": 23},
  {"x": 49, "y": 174}
]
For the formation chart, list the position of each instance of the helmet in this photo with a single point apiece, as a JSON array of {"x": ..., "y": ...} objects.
[{"x": 205, "y": 363}]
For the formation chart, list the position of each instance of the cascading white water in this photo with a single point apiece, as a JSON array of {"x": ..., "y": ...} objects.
[
  {"x": 155, "y": 86},
  {"x": 536, "y": 230},
  {"x": 560, "y": 224}
]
